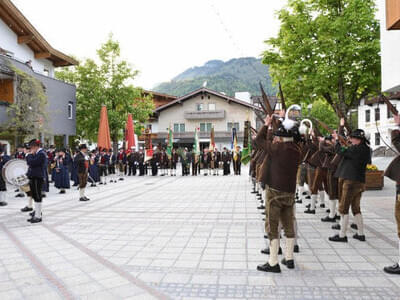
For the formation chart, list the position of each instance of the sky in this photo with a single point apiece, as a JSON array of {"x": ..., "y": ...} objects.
[{"x": 160, "y": 38}]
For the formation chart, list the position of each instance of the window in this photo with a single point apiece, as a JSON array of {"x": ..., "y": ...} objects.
[
  {"x": 377, "y": 139},
  {"x": 211, "y": 106},
  {"x": 233, "y": 125},
  {"x": 205, "y": 127},
  {"x": 199, "y": 106},
  {"x": 46, "y": 72},
  {"x": 179, "y": 127},
  {"x": 389, "y": 113},
  {"x": 70, "y": 110},
  {"x": 377, "y": 114},
  {"x": 367, "y": 116}
]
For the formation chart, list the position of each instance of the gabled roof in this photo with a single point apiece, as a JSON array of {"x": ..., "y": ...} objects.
[
  {"x": 27, "y": 34},
  {"x": 208, "y": 91},
  {"x": 147, "y": 92}
]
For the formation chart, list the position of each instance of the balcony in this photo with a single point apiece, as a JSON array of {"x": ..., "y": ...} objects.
[
  {"x": 202, "y": 135},
  {"x": 204, "y": 114},
  {"x": 392, "y": 14}
]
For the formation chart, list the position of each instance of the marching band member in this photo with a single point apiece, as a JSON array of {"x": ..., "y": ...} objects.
[
  {"x": 237, "y": 163},
  {"x": 37, "y": 163},
  {"x": 121, "y": 163},
  {"x": 104, "y": 160},
  {"x": 205, "y": 161},
  {"x": 285, "y": 158},
  {"x": 112, "y": 159},
  {"x": 141, "y": 162},
  {"x": 351, "y": 174},
  {"x": 173, "y": 161},
  {"x": 61, "y": 176},
  {"x": 94, "y": 168},
  {"x": 82, "y": 162},
  {"x": 226, "y": 159},
  {"x": 393, "y": 172},
  {"x": 3, "y": 187}
]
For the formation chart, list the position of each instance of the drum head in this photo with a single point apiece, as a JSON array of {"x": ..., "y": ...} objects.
[{"x": 13, "y": 169}]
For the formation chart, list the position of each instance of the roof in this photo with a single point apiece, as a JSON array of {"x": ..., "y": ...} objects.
[
  {"x": 27, "y": 34},
  {"x": 374, "y": 100},
  {"x": 147, "y": 92},
  {"x": 205, "y": 90}
]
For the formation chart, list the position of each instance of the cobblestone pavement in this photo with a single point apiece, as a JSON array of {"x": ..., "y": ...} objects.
[{"x": 185, "y": 238}]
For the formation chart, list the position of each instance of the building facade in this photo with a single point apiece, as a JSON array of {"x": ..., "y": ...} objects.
[
  {"x": 22, "y": 47},
  {"x": 202, "y": 109}
]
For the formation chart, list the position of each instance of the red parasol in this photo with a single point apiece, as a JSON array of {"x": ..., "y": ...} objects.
[
  {"x": 103, "y": 138},
  {"x": 130, "y": 133}
]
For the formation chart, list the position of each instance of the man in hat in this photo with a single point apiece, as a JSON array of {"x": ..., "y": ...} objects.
[
  {"x": 237, "y": 161},
  {"x": 61, "y": 174},
  {"x": 141, "y": 162},
  {"x": 285, "y": 158},
  {"x": 111, "y": 165},
  {"x": 36, "y": 159},
  {"x": 351, "y": 174},
  {"x": 82, "y": 162},
  {"x": 3, "y": 187},
  {"x": 393, "y": 172},
  {"x": 121, "y": 163}
]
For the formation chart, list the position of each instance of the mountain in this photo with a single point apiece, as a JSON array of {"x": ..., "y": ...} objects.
[{"x": 236, "y": 75}]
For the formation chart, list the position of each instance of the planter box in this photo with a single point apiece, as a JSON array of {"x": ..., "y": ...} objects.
[{"x": 374, "y": 180}]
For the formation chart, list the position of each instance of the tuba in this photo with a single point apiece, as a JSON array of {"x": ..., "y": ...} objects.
[{"x": 14, "y": 173}]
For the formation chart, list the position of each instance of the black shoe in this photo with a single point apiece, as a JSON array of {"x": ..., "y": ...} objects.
[
  {"x": 309, "y": 211},
  {"x": 337, "y": 217},
  {"x": 359, "y": 237},
  {"x": 32, "y": 213},
  {"x": 121, "y": 179},
  {"x": 62, "y": 192},
  {"x": 26, "y": 209},
  {"x": 265, "y": 236},
  {"x": 20, "y": 195},
  {"x": 296, "y": 249},
  {"x": 328, "y": 211},
  {"x": 44, "y": 196},
  {"x": 322, "y": 205},
  {"x": 16, "y": 191},
  {"x": 288, "y": 263},
  {"x": 87, "y": 199},
  {"x": 253, "y": 192},
  {"x": 35, "y": 220},
  {"x": 75, "y": 184},
  {"x": 337, "y": 238},
  {"x": 261, "y": 207},
  {"x": 395, "y": 269},
  {"x": 263, "y": 213},
  {"x": 299, "y": 201},
  {"x": 93, "y": 185},
  {"x": 83, "y": 199},
  {"x": 354, "y": 226},
  {"x": 308, "y": 197},
  {"x": 3, "y": 203},
  {"x": 336, "y": 227},
  {"x": 263, "y": 219},
  {"x": 327, "y": 219},
  {"x": 100, "y": 183},
  {"x": 308, "y": 205},
  {"x": 304, "y": 193},
  {"x": 266, "y": 251},
  {"x": 267, "y": 268}
]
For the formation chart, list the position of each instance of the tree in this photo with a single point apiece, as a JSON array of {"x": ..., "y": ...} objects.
[
  {"x": 28, "y": 114},
  {"x": 327, "y": 49},
  {"x": 108, "y": 83},
  {"x": 322, "y": 111}
]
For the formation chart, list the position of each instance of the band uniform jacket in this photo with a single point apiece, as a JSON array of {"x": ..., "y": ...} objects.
[
  {"x": 82, "y": 162},
  {"x": 37, "y": 164},
  {"x": 393, "y": 171},
  {"x": 354, "y": 163}
]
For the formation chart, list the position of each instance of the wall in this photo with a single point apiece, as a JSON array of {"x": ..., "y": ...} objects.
[
  {"x": 385, "y": 125},
  {"x": 9, "y": 42},
  {"x": 233, "y": 113},
  {"x": 390, "y": 45}
]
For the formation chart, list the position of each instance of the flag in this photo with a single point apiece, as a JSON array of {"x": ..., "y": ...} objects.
[
  {"x": 246, "y": 153},
  {"x": 212, "y": 139},
  {"x": 234, "y": 144},
  {"x": 170, "y": 143},
  {"x": 196, "y": 146}
]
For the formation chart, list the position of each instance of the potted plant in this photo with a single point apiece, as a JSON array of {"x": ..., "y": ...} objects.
[{"x": 374, "y": 178}]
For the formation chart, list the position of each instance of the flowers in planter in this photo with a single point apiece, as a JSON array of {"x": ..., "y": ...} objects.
[{"x": 372, "y": 168}]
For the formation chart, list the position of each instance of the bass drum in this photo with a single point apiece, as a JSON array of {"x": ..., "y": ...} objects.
[{"x": 14, "y": 172}]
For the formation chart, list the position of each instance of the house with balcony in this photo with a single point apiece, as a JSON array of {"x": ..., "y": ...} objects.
[
  {"x": 24, "y": 48},
  {"x": 373, "y": 115},
  {"x": 203, "y": 109}
]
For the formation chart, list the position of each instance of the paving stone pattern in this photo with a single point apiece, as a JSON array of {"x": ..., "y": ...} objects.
[{"x": 185, "y": 238}]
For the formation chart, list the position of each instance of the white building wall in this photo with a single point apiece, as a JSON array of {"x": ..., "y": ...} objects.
[
  {"x": 9, "y": 42},
  {"x": 384, "y": 125},
  {"x": 390, "y": 47}
]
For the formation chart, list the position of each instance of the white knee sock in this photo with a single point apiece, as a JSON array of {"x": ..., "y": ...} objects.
[
  {"x": 313, "y": 201},
  {"x": 399, "y": 252},
  {"x": 344, "y": 223},
  {"x": 332, "y": 208},
  {"x": 30, "y": 202},
  {"x": 82, "y": 193},
  {"x": 360, "y": 225},
  {"x": 301, "y": 191},
  {"x": 38, "y": 209},
  {"x": 289, "y": 248},
  {"x": 273, "y": 252},
  {"x": 322, "y": 197},
  {"x": 2, "y": 196}
]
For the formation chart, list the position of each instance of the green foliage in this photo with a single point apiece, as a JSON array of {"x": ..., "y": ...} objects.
[
  {"x": 327, "y": 49},
  {"x": 235, "y": 75},
  {"x": 106, "y": 83},
  {"x": 321, "y": 110},
  {"x": 28, "y": 114}
]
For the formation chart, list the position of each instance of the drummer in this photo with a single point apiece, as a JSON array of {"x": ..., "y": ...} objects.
[{"x": 3, "y": 187}]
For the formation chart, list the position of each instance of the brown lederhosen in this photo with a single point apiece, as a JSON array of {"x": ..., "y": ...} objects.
[
  {"x": 350, "y": 193},
  {"x": 397, "y": 208},
  {"x": 121, "y": 166},
  {"x": 279, "y": 208},
  {"x": 333, "y": 185},
  {"x": 319, "y": 182},
  {"x": 302, "y": 174},
  {"x": 83, "y": 179}
]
